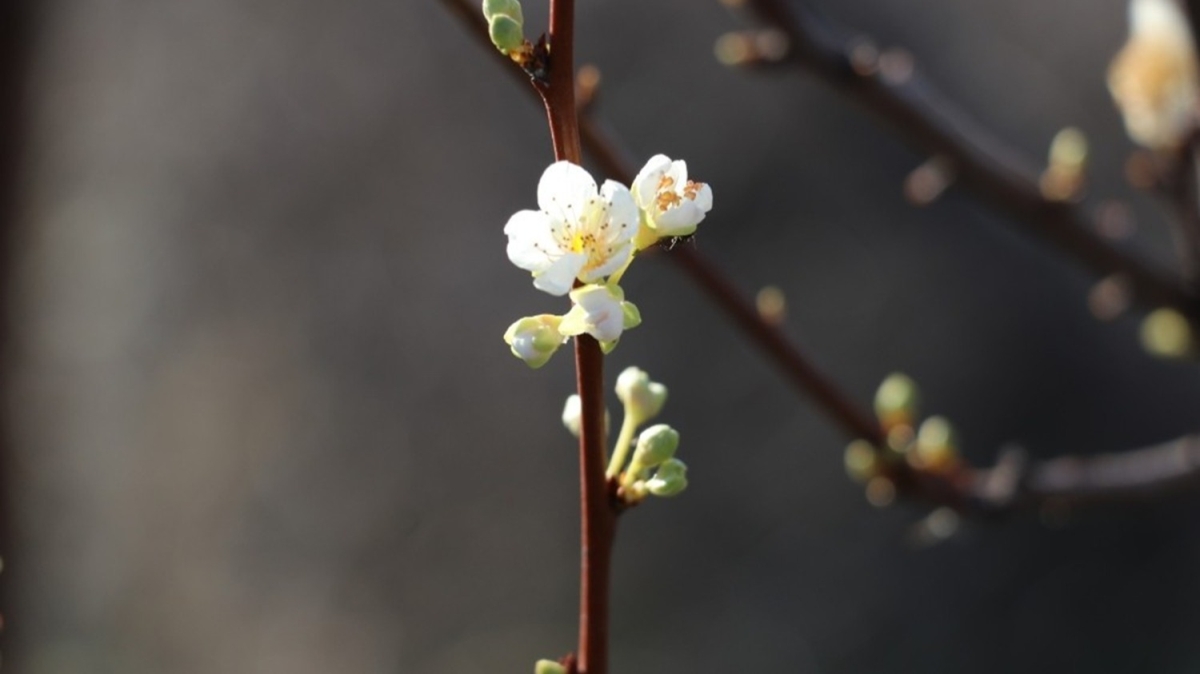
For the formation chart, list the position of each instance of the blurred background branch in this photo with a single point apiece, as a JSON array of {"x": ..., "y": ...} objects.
[{"x": 889, "y": 84}]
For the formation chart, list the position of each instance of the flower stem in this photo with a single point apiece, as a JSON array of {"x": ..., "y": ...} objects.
[
  {"x": 624, "y": 445},
  {"x": 597, "y": 514}
]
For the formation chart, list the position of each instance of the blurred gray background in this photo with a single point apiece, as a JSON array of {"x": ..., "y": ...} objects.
[{"x": 263, "y": 420}]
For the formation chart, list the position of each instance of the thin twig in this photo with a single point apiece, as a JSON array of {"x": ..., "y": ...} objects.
[
  {"x": 1069, "y": 481},
  {"x": 891, "y": 87}
]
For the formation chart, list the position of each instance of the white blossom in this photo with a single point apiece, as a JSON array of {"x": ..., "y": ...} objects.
[
  {"x": 599, "y": 311},
  {"x": 1153, "y": 78},
  {"x": 671, "y": 204},
  {"x": 578, "y": 233}
]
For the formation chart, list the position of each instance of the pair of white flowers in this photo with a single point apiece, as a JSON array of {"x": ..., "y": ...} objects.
[{"x": 583, "y": 237}]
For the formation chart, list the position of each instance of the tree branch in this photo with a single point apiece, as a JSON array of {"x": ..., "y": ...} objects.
[
  {"x": 895, "y": 91},
  {"x": 1013, "y": 484}
]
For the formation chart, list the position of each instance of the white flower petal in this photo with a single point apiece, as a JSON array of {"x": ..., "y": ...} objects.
[
  {"x": 530, "y": 244},
  {"x": 678, "y": 173},
  {"x": 680, "y": 220},
  {"x": 558, "y": 278},
  {"x": 597, "y": 312},
  {"x": 622, "y": 212},
  {"x": 564, "y": 189},
  {"x": 645, "y": 185},
  {"x": 703, "y": 198}
]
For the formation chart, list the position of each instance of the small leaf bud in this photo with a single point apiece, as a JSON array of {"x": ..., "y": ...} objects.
[
  {"x": 1166, "y": 334},
  {"x": 510, "y": 8},
  {"x": 643, "y": 399},
  {"x": 506, "y": 33},
  {"x": 548, "y": 667},
  {"x": 655, "y": 445},
  {"x": 862, "y": 462},
  {"x": 669, "y": 480},
  {"x": 937, "y": 444},
  {"x": 897, "y": 400}
]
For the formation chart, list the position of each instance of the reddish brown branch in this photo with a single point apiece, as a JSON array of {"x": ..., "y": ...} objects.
[
  {"x": 597, "y": 517},
  {"x": 892, "y": 88}
]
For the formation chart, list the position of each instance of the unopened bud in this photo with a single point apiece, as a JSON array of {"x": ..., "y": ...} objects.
[
  {"x": 510, "y": 8},
  {"x": 548, "y": 667},
  {"x": 643, "y": 398},
  {"x": 669, "y": 480},
  {"x": 862, "y": 462},
  {"x": 937, "y": 444},
  {"x": 1166, "y": 334},
  {"x": 655, "y": 445},
  {"x": 897, "y": 400},
  {"x": 534, "y": 339},
  {"x": 506, "y": 33}
]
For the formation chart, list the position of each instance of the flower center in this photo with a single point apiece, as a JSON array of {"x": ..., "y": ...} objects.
[{"x": 667, "y": 197}]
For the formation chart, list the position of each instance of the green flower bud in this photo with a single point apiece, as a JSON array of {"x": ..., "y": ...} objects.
[
  {"x": 643, "y": 399},
  {"x": 534, "y": 339},
  {"x": 862, "y": 462},
  {"x": 506, "y": 33},
  {"x": 1166, "y": 334},
  {"x": 669, "y": 480},
  {"x": 897, "y": 400},
  {"x": 936, "y": 445},
  {"x": 655, "y": 445},
  {"x": 510, "y": 8},
  {"x": 548, "y": 667}
]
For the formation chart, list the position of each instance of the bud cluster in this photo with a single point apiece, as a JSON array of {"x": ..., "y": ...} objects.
[{"x": 930, "y": 446}]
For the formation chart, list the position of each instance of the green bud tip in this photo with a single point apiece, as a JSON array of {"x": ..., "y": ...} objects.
[
  {"x": 1069, "y": 149},
  {"x": 862, "y": 463},
  {"x": 506, "y": 33},
  {"x": 669, "y": 480},
  {"x": 510, "y": 8},
  {"x": 548, "y": 667},
  {"x": 1166, "y": 334},
  {"x": 897, "y": 399},
  {"x": 655, "y": 445},
  {"x": 937, "y": 443}
]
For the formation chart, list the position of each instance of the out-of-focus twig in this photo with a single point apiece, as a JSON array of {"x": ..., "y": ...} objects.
[
  {"x": 890, "y": 85},
  {"x": 1069, "y": 481}
]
